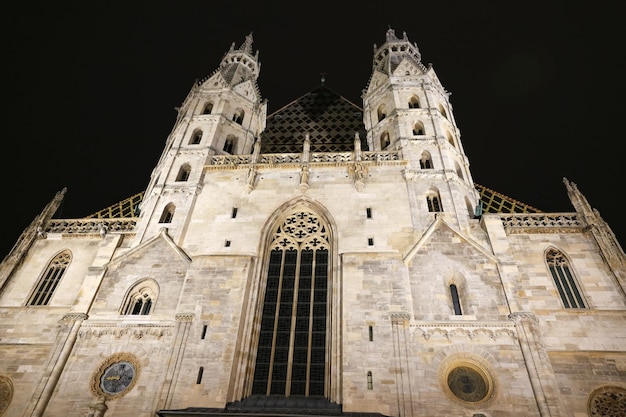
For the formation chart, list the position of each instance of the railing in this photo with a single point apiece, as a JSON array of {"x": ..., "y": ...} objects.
[
  {"x": 90, "y": 225},
  {"x": 294, "y": 158},
  {"x": 541, "y": 222}
]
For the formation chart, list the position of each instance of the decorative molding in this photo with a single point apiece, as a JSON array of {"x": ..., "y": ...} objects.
[
  {"x": 185, "y": 317},
  {"x": 520, "y": 316},
  {"x": 119, "y": 330},
  {"x": 290, "y": 160},
  {"x": 542, "y": 223},
  {"x": 400, "y": 317},
  {"x": 72, "y": 317},
  {"x": 90, "y": 226},
  {"x": 469, "y": 331}
]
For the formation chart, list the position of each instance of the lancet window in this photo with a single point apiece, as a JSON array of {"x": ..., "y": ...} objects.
[
  {"x": 291, "y": 356},
  {"x": 50, "y": 279},
  {"x": 564, "y": 280}
]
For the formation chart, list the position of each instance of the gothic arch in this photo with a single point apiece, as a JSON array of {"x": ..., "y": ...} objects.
[
  {"x": 564, "y": 278},
  {"x": 140, "y": 298},
  {"x": 183, "y": 172},
  {"x": 426, "y": 160},
  {"x": 50, "y": 278},
  {"x": 300, "y": 232}
]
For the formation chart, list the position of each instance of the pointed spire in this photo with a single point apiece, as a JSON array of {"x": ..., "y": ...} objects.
[
  {"x": 578, "y": 200},
  {"x": 246, "y": 46}
]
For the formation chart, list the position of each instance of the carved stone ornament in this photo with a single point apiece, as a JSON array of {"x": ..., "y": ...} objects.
[
  {"x": 6, "y": 393},
  {"x": 115, "y": 376},
  {"x": 607, "y": 401}
]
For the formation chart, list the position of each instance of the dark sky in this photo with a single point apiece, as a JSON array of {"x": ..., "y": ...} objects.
[{"x": 90, "y": 88}]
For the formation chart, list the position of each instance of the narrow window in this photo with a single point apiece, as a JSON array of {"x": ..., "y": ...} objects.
[
  {"x": 370, "y": 383},
  {"x": 49, "y": 280},
  {"x": 456, "y": 303},
  {"x": 564, "y": 280},
  {"x": 227, "y": 243},
  {"x": 370, "y": 241},
  {"x": 384, "y": 140},
  {"x": 234, "y": 213},
  {"x": 371, "y": 333},
  {"x": 204, "y": 328},
  {"x": 228, "y": 146},
  {"x": 208, "y": 108},
  {"x": 369, "y": 212},
  {"x": 200, "y": 372},
  {"x": 168, "y": 214},
  {"x": 381, "y": 112}
]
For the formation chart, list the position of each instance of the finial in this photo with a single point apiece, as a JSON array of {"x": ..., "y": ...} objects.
[
  {"x": 246, "y": 46},
  {"x": 323, "y": 78}
]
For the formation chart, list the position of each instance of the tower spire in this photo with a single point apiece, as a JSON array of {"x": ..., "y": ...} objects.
[{"x": 246, "y": 46}]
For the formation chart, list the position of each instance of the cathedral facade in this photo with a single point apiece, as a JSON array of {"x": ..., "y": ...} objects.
[{"x": 327, "y": 259}]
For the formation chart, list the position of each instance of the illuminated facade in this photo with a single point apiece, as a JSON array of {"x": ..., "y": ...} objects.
[{"x": 327, "y": 259}]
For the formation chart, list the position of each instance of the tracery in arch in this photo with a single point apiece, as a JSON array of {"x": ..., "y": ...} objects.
[{"x": 293, "y": 338}]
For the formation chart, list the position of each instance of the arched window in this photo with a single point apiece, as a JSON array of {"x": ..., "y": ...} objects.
[
  {"x": 434, "y": 202},
  {"x": 49, "y": 279},
  {"x": 384, "y": 140},
  {"x": 291, "y": 356},
  {"x": 382, "y": 112},
  {"x": 414, "y": 103},
  {"x": 230, "y": 144},
  {"x": 459, "y": 172},
  {"x": 141, "y": 298},
  {"x": 442, "y": 111},
  {"x": 183, "y": 173},
  {"x": 208, "y": 108},
  {"x": 564, "y": 280},
  {"x": 456, "y": 302},
  {"x": 168, "y": 213},
  {"x": 196, "y": 137},
  {"x": 426, "y": 161},
  {"x": 450, "y": 139},
  {"x": 418, "y": 129},
  {"x": 238, "y": 116}
]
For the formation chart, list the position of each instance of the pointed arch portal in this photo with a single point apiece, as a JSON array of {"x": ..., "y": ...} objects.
[{"x": 291, "y": 355}]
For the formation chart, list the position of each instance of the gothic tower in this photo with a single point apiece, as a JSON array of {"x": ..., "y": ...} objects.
[
  {"x": 222, "y": 115},
  {"x": 407, "y": 109}
]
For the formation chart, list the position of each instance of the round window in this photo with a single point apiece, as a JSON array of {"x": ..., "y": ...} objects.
[{"x": 468, "y": 383}]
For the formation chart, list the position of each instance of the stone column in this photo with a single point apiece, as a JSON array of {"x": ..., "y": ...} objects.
[
  {"x": 399, "y": 324},
  {"x": 71, "y": 324},
  {"x": 183, "y": 323},
  {"x": 538, "y": 368}
]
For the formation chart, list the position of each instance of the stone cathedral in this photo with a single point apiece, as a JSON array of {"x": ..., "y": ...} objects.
[{"x": 328, "y": 259}]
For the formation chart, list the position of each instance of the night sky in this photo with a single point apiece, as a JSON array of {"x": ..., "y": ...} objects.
[{"x": 90, "y": 88}]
